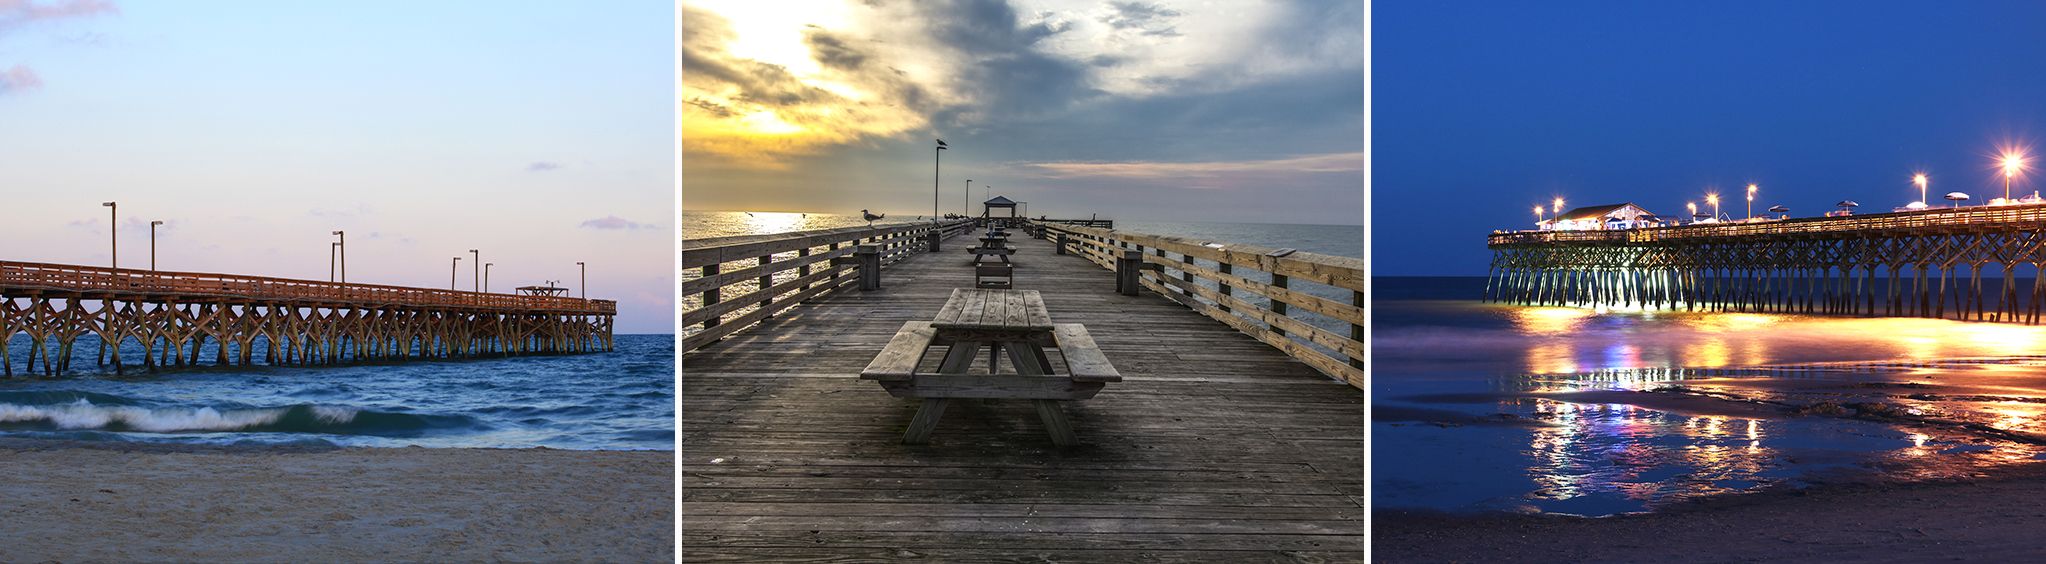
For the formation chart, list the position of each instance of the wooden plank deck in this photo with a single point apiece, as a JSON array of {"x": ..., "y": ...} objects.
[{"x": 1214, "y": 447}]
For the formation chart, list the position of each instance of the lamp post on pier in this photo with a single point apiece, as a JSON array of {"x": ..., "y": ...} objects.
[
  {"x": 486, "y": 276},
  {"x": 1921, "y": 181},
  {"x": 330, "y": 259},
  {"x": 451, "y": 272},
  {"x": 934, "y": 177},
  {"x": 343, "y": 244},
  {"x": 1693, "y": 206},
  {"x": 475, "y": 271},
  {"x": 966, "y": 199},
  {"x": 1714, "y": 200},
  {"x": 2013, "y": 162},
  {"x": 113, "y": 227},
  {"x": 152, "y": 243},
  {"x": 1751, "y": 201},
  {"x": 585, "y": 284},
  {"x": 1538, "y": 216},
  {"x": 1559, "y": 207}
]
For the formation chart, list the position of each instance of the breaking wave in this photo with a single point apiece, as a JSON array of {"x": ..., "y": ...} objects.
[{"x": 84, "y": 414}]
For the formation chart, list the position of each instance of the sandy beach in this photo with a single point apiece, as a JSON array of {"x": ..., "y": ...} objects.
[
  {"x": 1993, "y": 519},
  {"x": 80, "y": 502}
]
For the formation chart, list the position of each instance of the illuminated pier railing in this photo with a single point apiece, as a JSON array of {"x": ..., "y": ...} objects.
[{"x": 1820, "y": 265}]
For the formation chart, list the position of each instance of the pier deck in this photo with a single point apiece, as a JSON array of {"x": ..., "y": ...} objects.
[{"x": 1215, "y": 447}]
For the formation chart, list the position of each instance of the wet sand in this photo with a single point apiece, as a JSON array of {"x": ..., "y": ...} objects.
[
  {"x": 1991, "y": 519},
  {"x": 69, "y": 502}
]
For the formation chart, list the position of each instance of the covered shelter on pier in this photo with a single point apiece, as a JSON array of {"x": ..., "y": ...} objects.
[
  {"x": 987, "y": 208},
  {"x": 1607, "y": 216}
]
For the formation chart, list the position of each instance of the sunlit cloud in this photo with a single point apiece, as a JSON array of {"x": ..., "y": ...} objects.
[{"x": 18, "y": 78}]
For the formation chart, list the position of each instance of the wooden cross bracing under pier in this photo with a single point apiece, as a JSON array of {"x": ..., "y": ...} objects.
[{"x": 294, "y": 321}]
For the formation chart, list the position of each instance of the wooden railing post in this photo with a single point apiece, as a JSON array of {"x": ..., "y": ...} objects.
[
  {"x": 710, "y": 297},
  {"x": 1279, "y": 307},
  {"x": 766, "y": 281},
  {"x": 1357, "y": 331},
  {"x": 870, "y": 266},
  {"x": 1223, "y": 286},
  {"x": 1062, "y": 242},
  {"x": 1128, "y": 267},
  {"x": 931, "y": 239}
]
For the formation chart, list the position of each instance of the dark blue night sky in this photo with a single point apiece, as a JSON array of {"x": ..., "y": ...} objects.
[{"x": 1482, "y": 110}]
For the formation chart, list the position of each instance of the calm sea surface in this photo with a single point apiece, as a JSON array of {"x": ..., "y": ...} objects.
[
  {"x": 622, "y": 399},
  {"x": 1486, "y": 407}
]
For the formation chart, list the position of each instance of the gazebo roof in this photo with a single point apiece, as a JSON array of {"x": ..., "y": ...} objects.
[{"x": 1000, "y": 201}]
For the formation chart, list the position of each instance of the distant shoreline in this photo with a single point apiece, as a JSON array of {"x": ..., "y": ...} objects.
[{"x": 169, "y": 502}]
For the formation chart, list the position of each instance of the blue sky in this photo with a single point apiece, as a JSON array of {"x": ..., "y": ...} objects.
[
  {"x": 1482, "y": 110},
  {"x": 540, "y": 133},
  {"x": 1133, "y": 109}
]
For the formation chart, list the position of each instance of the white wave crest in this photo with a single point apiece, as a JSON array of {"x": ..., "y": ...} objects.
[{"x": 84, "y": 415}]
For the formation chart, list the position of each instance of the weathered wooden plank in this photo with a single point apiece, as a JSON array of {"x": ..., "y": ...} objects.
[
  {"x": 1084, "y": 360},
  {"x": 898, "y": 360}
]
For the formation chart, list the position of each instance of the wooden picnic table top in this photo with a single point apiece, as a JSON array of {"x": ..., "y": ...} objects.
[{"x": 979, "y": 309}]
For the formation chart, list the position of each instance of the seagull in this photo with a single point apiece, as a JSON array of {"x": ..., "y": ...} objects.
[
  {"x": 870, "y": 217},
  {"x": 749, "y": 214}
]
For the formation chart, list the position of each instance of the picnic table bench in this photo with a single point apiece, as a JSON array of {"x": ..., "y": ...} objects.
[{"x": 1011, "y": 323}]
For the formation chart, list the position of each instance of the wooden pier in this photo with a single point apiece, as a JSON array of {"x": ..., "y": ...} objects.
[
  {"x": 1926, "y": 263},
  {"x": 1216, "y": 445},
  {"x": 293, "y": 321}
]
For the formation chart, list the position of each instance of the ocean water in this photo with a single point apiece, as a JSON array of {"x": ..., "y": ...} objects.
[
  {"x": 1487, "y": 407},
  {"x": 623, "y": 399}
]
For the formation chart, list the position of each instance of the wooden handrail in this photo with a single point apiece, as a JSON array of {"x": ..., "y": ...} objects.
[
  {"x": 127, "y": 283},
  {"x": 752, "y": 262},
  {"x": 1270, "y": 323}
]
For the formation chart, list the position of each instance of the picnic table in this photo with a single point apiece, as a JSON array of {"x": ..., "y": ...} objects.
[{"x": 1008, "y": 323}]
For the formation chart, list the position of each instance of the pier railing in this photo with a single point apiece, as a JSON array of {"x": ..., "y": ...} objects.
[
  {"x": 772, "y": 272},
  {"x": 1921, "y": 220},
  {"x": 19, "y": 277},
  {"x": 1307, "y": 322}
]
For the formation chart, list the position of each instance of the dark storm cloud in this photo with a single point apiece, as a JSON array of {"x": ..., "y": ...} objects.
[
  {"x": 833, "y": 51},
  {"x": 1003, "y": 59},
  {"x": 1147, "y": 19}
]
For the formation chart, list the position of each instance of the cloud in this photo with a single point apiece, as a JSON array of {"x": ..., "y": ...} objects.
[
  {"x": 18, "y": 78},
  {"x": 1326, "y": 163},
  {"x": 17, "y": 13},
  {"x": 610, "y": 222},
  {"x": 1147, "y": 19},
  {"x": 542, "y": 166}
]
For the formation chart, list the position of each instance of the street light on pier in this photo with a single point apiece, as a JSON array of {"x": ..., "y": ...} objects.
[
  {"x": 2013, "y": 163},
  {"x": 330, "y": 259},
  {"x": 934, "y": 176},
  {"x": 1714, "y": 200},
  {"x": 1693, "y": 206},
  {"x": 1559, "y": 206},
  {"x": 1751, "y": 200},
  {"x": 585, "y": 284},
  {"x": 1538, "y": 215},
  {"x": 1921, "y": 181},
  {"x": 343, "y": 244},
  {"x": 475, "y": 271},
  {"x": 486, "y": 276},
  {"x": 451, "y": 273},
  {"x": 966, "y": 198},
  {"x": 152, "y": 243},
  {"x": 113, "y": 242}
]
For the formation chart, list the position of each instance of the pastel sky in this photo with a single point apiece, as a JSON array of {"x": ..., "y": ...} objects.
[
  {"x": 1167, "y": 110},
  {"x": 540, "y": 133}
]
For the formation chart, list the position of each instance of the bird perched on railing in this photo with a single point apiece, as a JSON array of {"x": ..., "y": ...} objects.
[{"x": 870, "y": 217}]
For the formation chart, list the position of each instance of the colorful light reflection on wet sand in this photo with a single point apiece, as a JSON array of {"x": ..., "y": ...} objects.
[{"x": 1600, "y": 412}]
